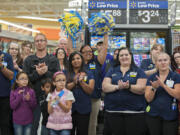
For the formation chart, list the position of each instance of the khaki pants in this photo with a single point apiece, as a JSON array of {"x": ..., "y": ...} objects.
[{"x": 93, "y": 116}]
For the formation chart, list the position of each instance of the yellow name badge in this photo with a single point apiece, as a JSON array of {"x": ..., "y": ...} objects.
[
  {"x": 133, "y": 74},
  {"x": 92, "y": 66}
]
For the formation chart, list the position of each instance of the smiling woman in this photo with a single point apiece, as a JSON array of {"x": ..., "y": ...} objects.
[
  {"x": 124, "y": 86},
  {"x": 81, "y": 83},
  {"x": 162, "y": 93},
  {"x": 14, "y": 51}
]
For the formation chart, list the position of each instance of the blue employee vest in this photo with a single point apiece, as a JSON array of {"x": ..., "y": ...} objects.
[
  {"x": 162, "y": 102},
  {"x": 5, "y": 82},
  {"x": 82, "y": 102},
  {"x": 95, "y": 68},
  {"x": 147, "y": 64},
  {"x": 107, "y": 64},
  {"x": 124, "y": 100}
]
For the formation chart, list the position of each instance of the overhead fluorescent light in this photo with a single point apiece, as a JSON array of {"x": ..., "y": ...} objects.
[
  {"x": 73, "y": 9},
  {"x": 19, "y": 26},
  {"x": 37, "y": 18}
]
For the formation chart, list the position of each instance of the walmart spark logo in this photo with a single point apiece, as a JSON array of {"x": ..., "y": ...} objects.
[
  {"x": 133, "y": 4},
  {"x": 92, "y": 4}
]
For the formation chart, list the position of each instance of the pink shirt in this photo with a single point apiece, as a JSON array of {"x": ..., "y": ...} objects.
[{"x": 58, "y": 119}]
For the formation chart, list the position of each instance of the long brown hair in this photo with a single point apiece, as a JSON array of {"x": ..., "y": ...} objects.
[
  {"x": 19, "y": 59},
  {"x": 15, "y": 85}
]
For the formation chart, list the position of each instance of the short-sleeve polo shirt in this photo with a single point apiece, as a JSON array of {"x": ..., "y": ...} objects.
[
  {"x": 95, "y": 68},
  {"x": 162, "y": 102},
  {"x": 124, "y": 100},
  {"x": 82, "y": 102},
  {"x": 147, "y": 64},
  {"x": 5, "y": 82}
]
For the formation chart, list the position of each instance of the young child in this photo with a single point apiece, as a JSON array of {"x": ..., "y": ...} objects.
[
  {"x": 22, "y": 102},
  {"x": 59, "y": 107},
  {"x": 46, "y": 86}
]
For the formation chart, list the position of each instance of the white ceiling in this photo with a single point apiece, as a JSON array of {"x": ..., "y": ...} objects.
[{"x": 47, "y": 8}]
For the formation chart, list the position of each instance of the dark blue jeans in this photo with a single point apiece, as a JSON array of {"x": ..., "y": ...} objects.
[
  {"x": 44, "y": 130},
  {"x": 22, "y": 129},
  {"x": 6, "y": 125},
  {"x": 35, "y": 124},
  {"x": 60, "y": 132}
]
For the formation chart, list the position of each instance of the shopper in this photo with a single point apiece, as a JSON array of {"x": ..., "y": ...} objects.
[
  {"x": 162, "y": 93},
  {"x": 59, "y": 107},
  {"x": 81, "y": 83},
  {"x": 6, "y": 75},
  {"x": 124, "y": 86},
  {"x": 26, "y": 48},
  {"x": 22, "y": 102},
  {"x": 63, "y": 60},
  {"x": 39, "y": 66},
  {"x": 46, "y": 86},
  {"x": 148, "y": 65},
  {"x": 63, "y": 43},
  {"x": 14, "y": 51}
]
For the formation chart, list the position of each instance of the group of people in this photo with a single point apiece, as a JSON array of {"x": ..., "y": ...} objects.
[{"x": 65, "y": 90}]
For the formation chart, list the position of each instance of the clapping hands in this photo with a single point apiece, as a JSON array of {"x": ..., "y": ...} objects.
[
  {"x": 41, "y": 68},
  {"x": 123, "y": 85}
]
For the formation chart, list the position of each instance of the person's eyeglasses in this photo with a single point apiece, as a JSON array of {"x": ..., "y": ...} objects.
[
  {"x": 61, "y": 52},
  {"x": 21, "y": 79},
  {"x": 86, "y": 52},
  {"x": 40, "y": 40},
  {"x": 14, "y": 49},
  {"x": 177, "y": 57},
  {"x": 60, "y": 80},
  {"x": 28, "y": 46}
]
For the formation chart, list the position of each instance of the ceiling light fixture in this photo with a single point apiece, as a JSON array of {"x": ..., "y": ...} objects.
[
  {"x": 37, "y": 18},
  {"x": 19, "y": 26}
]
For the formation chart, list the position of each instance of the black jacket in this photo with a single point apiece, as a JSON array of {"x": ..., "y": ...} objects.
[
  {"x": 44, "y": 109},
  {"x": 29, "y": 67}
]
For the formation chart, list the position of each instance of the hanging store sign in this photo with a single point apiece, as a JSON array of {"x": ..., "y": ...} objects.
[
  {"x": 148, "y": 12},
  {"x": 116, "y": 8}
]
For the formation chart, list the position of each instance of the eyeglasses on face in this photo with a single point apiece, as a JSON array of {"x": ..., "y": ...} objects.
[
  {"x": 60, "y": 52},
  {"x": 16, "y": 49},
  {"x": 23, "y": 79},
  {"x": 41, "y": 40},
  {"x": 176, "y": 57}
]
